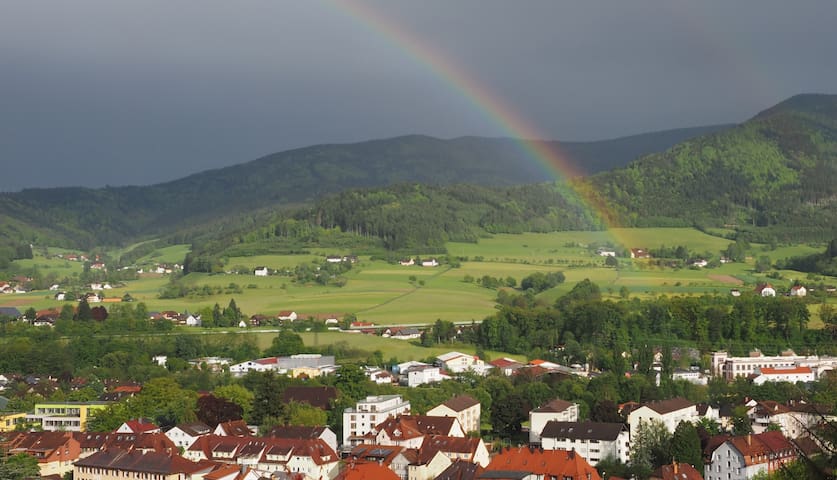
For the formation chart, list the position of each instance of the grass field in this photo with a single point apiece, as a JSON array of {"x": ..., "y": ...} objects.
[{"x": 392, "y": 294}]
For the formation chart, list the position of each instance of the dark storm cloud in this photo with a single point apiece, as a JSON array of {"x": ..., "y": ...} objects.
[{"x": 102, "y": 92}]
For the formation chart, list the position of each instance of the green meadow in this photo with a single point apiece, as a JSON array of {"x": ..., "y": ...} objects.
[{"x": 386, "y": 294}]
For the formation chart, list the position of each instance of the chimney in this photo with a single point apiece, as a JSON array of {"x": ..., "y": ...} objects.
[
  {"x": 749, "y": 440},
  {"x": 676, "y": 467}
]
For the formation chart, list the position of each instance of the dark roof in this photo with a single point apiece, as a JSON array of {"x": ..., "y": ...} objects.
[
  {"x": 10, "y": 312},
  {"x": 460, "y": 403},
  {"x": 319, "y": 397},
  {"x": 556, "y": 405},
  {"x": 135, "y": 461},
  {"x": 195, "y": 429},
  {"x": 582, "y": 430},
  {"x": 504, "y": 475},
  {"x": 296, "y": 431},
  {"x": 671, "y": 405},
  {"x": 460, "y": 470}
]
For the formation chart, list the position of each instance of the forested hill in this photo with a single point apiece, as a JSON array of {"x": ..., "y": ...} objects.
[
  {"x": 777, "y": 171},
  {"x": 85, "y": 217}
]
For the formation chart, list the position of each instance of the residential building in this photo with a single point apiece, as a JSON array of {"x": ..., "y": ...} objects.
[
  {"x": 233, "y": 428},
  {"x": 668, "y": 412},
  {"x": 766, "y": 290},
  {"x": 395, "y": 458},
  {"x": 532, "y": 463},
  {"x": 410, "y": 431},
  {"x": 185, "y": 434},
  {"x": 64, "y": 416},
  {"x": 117, "y": 464},
  {"x": 423, "y": 374},
  {"x": 55, "y": 451},
  {"x": 594, "y": 441},
  {"x": 457, "y": 362},
  {"x": 730, "y": 367},
  {"x": 10, "y": 420},
  {"x": 676, "y": 471},
  {"x": 260, "y": 271},
  {"x": 291, "y": 432},
  {"x": 369, "y": 413},
  {"x": 743, "y": 457},
  {"x": 465, "y": 408},
  {"x": 367, "y": 471},
  {"x": 507, "y": 366},
  {"x": 555, "y": 410},
  {"x": 794, "y": 420}
]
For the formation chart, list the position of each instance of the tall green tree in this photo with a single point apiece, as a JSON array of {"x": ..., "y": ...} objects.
[{"x": 685, "y": 446}]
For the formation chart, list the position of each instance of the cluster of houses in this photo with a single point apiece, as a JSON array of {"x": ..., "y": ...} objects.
[{"x": 383, "y": 438}]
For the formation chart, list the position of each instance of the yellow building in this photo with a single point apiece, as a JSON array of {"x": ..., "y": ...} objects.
[
  {"x": 65, "y": 416},
  {"x": 9, "y": 420}
]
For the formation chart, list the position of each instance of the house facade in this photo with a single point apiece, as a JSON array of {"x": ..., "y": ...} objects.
[
  {"x": 368, "y": 413},
  {"x": 594, "y": 441},
  {"x": 555, "y": 410},
  {"x": 743, "y": 457},
  {"x": 668, "y": 412},
  {"x": 465, "y": 408}
]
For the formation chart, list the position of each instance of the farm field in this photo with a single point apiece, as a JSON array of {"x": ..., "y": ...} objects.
[{"x": 388, "y": 294}]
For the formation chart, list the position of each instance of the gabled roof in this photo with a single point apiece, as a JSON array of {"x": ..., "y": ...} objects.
[
  {"x": 677, "y": 471},
  {"x": 380, "y": 454},
  {"x": 583, "y": 430},
  {"x": 319, "y": 452},
  {"x": 554, "y": 406},
  {"x": 366, "y": 471},
  {"x": 506, "y": 362},
  {"x": 195, "y": 429},
  {"x": 405, "y": 427},
  {"x": 125, "y": 441},
  {"x": 296, "y": 431},
  {"x": 559, "y": 463},
  {"x": 460, "y": 403},
  {"x": 671, "y": 405},
  {"x": 135, "y": 461},
  {"x": 758, "y": 448},
  {"x": 43, "y": 443},
  {"x": 236, "y": 428},
  {"x": 460, "y": 470},
  {"x": 319, "y": 397},
  {"x": 141, "y": 426}
]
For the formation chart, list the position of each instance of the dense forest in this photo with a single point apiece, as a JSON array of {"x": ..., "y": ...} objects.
[{"x": 775, "y": 175}]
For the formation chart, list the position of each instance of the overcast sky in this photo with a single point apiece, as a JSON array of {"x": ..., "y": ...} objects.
[{"x": 96, "y": 92}]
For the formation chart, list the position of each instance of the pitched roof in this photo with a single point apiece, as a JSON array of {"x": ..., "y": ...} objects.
[
  {"x": 554, "y": 406},
  {"x": 125, "y": 441},
  {"x": 505, "y": 362},
  {"x": 583, "y": 430},
  {"x": 460, "y": 470},
  {"x": 135, "y": 461},
  {"x": 671, "y": 405},
  {"x": 296, "y": 431},
  {"x": 195, "y": 429},
  {"x": 411, "y": 426},
  {"x": 366, "y": 471},
  {"x": 461, "y": 403},
  {"x": 141, "y": 426},
  {"x": 236, "y": 428},
  {"x": 676, "y": 471},
  {"x": 383, "y": 455},
  {"x": 319, "y": 397},
  {"x": 37, "y": 442},
  {"x": 559, "y": 463},
  {"x": 319, "y": 452},
  {"x": 759, "y": 448}
]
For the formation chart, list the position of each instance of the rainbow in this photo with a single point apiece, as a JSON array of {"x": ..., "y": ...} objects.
[{"x": 548, "y": 155}]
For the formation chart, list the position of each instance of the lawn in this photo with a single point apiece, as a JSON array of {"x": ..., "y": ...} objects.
[{"x": 393, "y": 294}]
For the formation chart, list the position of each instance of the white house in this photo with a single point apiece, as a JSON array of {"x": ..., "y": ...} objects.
[
  {"x": 766, "y": 290},
  {"x": 287, "y": 315},
  {"x": 743, "y": 457},
  {"x": 798, "y": 291},
  {"x": 421, "y": 375},
  {"x": 193, "y": 321},
  {"x": 669, "y": 412},
  {"x": 185, "y": 434},
  {"x": 368, "y": 413},
  {"x": 431, "y": 262},
  {"x": 260, "y": 271},
  {"x": 594, "y": 441},
  {"x": 458, "y": 362},
  {"x": 465, "y": 408},
  {"x": 555, "y": 410}
]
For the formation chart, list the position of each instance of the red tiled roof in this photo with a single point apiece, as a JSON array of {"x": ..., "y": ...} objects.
[
  {"x": 559, "y": 463},
  {"x": 367, "y": 471},
  {"x": 135, "y": 461},
  {"x": 785, "y": 371},
  {"x": 556, "y": 405}
]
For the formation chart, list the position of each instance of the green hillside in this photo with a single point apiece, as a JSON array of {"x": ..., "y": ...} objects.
[
  {"x": 776, "y": 173},
  {"x": 84, "y": 217}
]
